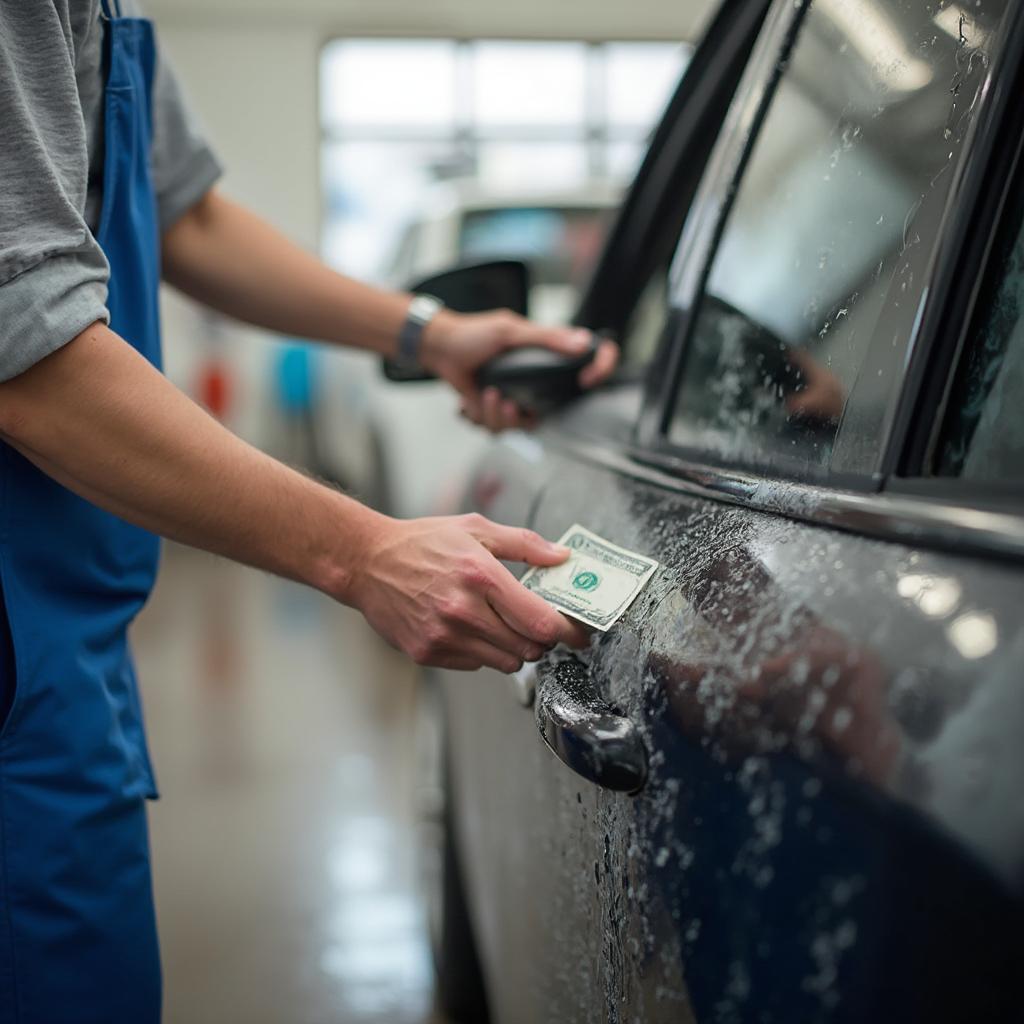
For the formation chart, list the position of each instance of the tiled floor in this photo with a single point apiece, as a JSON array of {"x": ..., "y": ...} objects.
[{"x": 282, "y": 732}]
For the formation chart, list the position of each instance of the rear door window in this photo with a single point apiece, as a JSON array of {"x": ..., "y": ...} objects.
[
  {"x": 983, "y": 438},
  {"x": 822, "y": 258}
]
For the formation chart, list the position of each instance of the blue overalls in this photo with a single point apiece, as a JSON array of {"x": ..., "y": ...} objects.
[{"x": 77, "y": 927}]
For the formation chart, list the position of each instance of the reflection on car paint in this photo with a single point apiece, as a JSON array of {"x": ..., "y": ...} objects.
[
  {"x": 833, "y": 823},
  {"x": 795, "y": 772}
]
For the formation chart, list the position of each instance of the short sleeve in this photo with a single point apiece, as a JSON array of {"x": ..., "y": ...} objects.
[
  {"x": 184, "y": 167},
  {"x": 53, "y": 275}
]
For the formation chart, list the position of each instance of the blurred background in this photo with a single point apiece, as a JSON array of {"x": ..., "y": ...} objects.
[{"x": 396, "y": 139}]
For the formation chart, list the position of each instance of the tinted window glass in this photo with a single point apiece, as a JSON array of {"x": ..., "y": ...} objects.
[
  {"x": 984, "y": 438},
  {"x": 840, "y": 185},
  {"x": 643, "y": 332}
]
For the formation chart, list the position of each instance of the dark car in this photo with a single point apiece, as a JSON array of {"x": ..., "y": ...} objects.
[{"x": 788, "y": 786}]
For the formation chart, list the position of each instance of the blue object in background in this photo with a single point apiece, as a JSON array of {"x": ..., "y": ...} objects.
[{"x": 295, "y": 377}]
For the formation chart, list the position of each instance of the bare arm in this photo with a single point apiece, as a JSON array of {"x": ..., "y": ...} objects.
[
  {"x": 226, "y": 257},
  {"x": 99, "y": 419}
]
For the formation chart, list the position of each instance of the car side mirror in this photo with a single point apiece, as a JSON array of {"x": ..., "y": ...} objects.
[{"x": 498, "y": 284}]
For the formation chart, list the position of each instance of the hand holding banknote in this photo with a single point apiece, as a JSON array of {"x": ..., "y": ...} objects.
[{"x": 598, "y": 581}]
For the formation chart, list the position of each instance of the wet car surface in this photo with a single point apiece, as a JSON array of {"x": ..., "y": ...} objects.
[{"x": 820, "y": 440}]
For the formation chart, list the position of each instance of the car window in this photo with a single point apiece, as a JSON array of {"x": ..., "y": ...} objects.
[
  {"x": 643, "y": 331},
  {"x": 841, "y": 182},
  {"x": 983, "y": 439}
]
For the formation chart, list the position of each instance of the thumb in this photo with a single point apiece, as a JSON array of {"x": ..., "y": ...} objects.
[
  {"x": 570, "y": 341},
  {"x": 513, "y": 544}
]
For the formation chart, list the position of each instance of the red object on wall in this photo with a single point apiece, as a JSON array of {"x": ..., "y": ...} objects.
[{"x": 214, "y": 388}]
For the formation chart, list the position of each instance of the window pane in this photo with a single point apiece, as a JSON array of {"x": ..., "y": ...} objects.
[
  {"x": 373, "y": 191},
  {"x": 532, "y": 165},
  {"x": 382, "y": 83},
  {"x": 984, "y": 438},
  {"x": 641, "y": 78},
  {"x": 861, "y": 131},
  {"x": 529, "y": 83},
  {"x": 622, "y": 160}
]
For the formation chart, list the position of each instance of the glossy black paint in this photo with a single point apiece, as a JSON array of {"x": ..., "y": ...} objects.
[
  {"x": 816, "y": 846},
  {"x": 588, "y": 735},
  {"x": 826, "y": 679}
]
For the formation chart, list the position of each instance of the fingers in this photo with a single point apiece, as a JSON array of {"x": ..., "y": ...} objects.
[
  {"x": 472, "y": 407},
  {"x": 482, "y": 627},
  {"x": 515, "y": 544},
  {"x": 474, "y": 654},
  {"x": 498, "y": 413},
  {"x": 525, "y": 613},
  {"x": 571, "y": 341},
  {"x": 488, "y": 409},
  {"x": 601, "y": 367},
  {"x": 532, "y": 616}
]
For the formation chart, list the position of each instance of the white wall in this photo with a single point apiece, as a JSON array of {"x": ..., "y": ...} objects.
[{"x": 254, "y": 88}]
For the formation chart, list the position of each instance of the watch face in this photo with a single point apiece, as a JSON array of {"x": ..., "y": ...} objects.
[
  {"x": 423, "y": 307},
  {"x": 421, "y": 311}
]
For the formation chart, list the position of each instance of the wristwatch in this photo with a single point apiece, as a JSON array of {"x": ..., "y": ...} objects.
[{"x": 422, "y": 310}]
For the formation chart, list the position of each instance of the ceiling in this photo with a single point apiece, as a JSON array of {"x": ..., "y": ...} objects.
[{"x": 575, "y": 19}]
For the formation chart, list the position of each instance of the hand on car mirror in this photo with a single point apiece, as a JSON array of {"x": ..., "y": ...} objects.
[
  {"x": 456, "y": 345},
  {"x": 434, "y": 588}
]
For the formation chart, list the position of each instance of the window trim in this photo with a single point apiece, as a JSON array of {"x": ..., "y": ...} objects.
[
  {"x": 707, "y": 217},
  {"x": 699, "y": 244},
  {"x": 951, "y": 323},
  {"x": 948, "y": 526}
]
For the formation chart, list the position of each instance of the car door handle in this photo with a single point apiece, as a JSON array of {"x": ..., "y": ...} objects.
[{"x": 586, "y": 732}]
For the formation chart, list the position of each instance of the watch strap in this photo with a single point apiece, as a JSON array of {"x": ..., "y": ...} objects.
[{"x": 422, "y": 310}]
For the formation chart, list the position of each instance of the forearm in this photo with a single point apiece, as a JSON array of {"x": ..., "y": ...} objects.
[
  {"x": 98, "y": 418},
  {"x": 228, "y": 258}
]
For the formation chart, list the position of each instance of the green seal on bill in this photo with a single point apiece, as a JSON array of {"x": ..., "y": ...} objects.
[{"x": 586, "y": 581}]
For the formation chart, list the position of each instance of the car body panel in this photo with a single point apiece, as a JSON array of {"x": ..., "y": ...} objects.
[
  {"x": 827, "y": 680},
  {"x": 834, "y": 785}
]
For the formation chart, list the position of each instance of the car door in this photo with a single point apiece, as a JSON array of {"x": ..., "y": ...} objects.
[
  {"x": 824, "y": 674},
  {"x": 626, "y": 294}
]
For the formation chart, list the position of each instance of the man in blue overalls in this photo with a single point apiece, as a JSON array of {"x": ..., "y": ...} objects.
[{"x": 102, "y": 180}]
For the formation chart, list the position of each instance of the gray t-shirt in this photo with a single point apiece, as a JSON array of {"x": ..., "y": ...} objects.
[{"x": 53, "y": 275}]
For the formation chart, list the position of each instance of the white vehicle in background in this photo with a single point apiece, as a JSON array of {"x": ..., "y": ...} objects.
[{"x": 401, "y": 448}]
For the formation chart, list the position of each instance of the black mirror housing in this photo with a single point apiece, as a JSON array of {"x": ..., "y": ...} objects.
[{"x": 474, "y": 288}]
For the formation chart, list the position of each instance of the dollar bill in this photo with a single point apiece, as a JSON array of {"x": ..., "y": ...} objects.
[{"x": 597, "y": 583}]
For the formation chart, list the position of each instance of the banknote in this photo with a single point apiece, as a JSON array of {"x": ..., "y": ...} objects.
[{"x": 598, "y": 581}]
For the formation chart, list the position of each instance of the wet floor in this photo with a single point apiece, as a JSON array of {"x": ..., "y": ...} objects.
[{"x": 284, "y": 842}]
